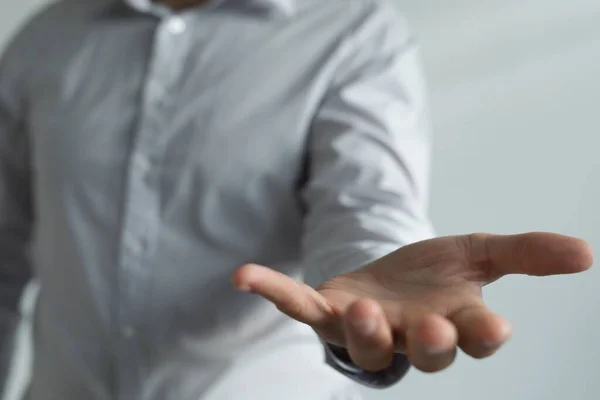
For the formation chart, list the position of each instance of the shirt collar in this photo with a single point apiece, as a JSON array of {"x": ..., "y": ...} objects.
[{"x": 284, "y": 7}]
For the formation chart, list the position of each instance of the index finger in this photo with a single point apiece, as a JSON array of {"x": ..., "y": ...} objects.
[{"x": 295, "y": 299}]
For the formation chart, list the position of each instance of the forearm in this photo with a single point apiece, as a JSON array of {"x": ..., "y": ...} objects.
[{"x": 368, "y": 171}]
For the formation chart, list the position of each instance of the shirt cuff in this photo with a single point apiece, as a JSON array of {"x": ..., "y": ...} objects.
[{"x": 338, "y": 358}]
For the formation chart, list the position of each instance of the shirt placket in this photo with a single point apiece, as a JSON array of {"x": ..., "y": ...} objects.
[{"x": 141, "y": 217}]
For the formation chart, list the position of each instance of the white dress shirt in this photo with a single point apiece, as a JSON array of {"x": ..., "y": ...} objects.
[{"x": 146, "y": 154}]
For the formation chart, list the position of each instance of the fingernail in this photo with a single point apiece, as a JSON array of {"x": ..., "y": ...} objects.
[
  {"x": 243, "y": 288},
  {"x": 489, "y": 344},
  {"x": 435, "y": 351},
  {"x": 366, "y": 326}
]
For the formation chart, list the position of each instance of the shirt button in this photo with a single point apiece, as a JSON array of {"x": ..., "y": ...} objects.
[
  {"x": 128, "y": 332},
  {"x": 176, "y": 26},
  {"x": 156, "y": 90},
  {"x": 142, "y": 163},
  {"x": 134, "y": 244}
]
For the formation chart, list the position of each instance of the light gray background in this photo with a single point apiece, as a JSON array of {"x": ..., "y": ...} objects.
[{"x": 515, "y": 89}]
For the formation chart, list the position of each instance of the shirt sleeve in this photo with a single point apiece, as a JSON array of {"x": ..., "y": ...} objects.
[
  {"x": 15, "y": 201},
  {"x": 368, "y": 164}
]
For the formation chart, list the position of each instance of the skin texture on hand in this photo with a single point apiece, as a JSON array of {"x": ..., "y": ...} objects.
[{"x": 423, "y": 300}]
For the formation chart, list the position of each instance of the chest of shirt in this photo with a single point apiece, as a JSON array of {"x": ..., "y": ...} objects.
[{"x": 209, "y": 95}]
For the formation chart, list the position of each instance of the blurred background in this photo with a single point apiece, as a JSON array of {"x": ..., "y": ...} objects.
[{"x": 515, "y": 90}]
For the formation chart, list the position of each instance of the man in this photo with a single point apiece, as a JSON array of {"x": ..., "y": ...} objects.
[{"x": 147, "y": 150}]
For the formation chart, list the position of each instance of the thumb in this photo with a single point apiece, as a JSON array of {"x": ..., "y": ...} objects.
[
  {"x": 535, "y": 253},
  {"x": 295, "y": 299}
]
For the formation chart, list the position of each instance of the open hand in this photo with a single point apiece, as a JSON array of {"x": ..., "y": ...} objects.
[{"x": 423, "y": 300}]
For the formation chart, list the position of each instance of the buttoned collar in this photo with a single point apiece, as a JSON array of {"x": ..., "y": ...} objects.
[{"x": 282, "y": 7}]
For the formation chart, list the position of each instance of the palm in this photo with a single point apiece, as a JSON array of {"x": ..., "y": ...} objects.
[
  {"x": 397, "y": 300},
  {"x": 423, "y": 300}
]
